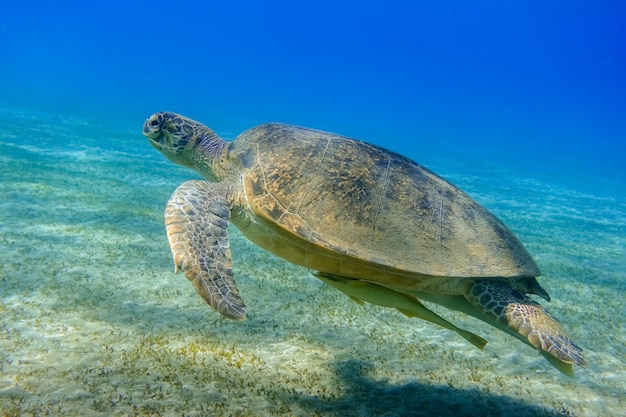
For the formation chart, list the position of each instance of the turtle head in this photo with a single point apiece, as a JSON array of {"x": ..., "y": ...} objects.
[{"x": 184, "y": 141}]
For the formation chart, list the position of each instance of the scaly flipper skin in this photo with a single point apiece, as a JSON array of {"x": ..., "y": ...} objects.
[
  {"x": 528, "y": 318},
  {"x": 196, "y": 218}
]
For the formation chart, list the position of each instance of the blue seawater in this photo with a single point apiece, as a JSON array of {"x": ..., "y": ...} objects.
[{"x": 520, "y": 103}]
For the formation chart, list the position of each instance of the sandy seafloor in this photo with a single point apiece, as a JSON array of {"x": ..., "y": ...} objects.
[{"x": 95, "y": 323}]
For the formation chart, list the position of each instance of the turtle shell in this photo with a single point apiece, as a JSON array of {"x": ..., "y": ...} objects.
[{"x": 340, "y": 205}]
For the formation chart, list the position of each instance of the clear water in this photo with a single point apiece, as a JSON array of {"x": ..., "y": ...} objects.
[{"x": 521, "y": 107}]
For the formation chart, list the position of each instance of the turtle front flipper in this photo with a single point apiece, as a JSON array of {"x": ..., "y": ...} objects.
[
  {"x": 196, "y": 219},
  {"x": 526, "y": 319}
]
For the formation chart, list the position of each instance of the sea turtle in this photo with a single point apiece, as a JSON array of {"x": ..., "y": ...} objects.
[{"x": 372, "y": 223}]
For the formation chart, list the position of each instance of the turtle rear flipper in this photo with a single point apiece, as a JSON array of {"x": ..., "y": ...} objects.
[
  {"x": 526, "y": 319},
  {"x": 196, "y": 219}
]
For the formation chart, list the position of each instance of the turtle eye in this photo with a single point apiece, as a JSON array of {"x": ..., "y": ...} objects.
[{"x": 154, "y": 122}]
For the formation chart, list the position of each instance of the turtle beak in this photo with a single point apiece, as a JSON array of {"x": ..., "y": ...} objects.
[
  {"x": 152, "y": 130},
  {"x": 152, "y": 126}
]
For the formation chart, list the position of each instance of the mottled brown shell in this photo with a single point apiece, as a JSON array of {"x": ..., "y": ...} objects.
[{"x": 363, "y": 204}]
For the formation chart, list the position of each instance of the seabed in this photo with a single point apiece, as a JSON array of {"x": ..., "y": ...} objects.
[{"x": 93, "y": 321}]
